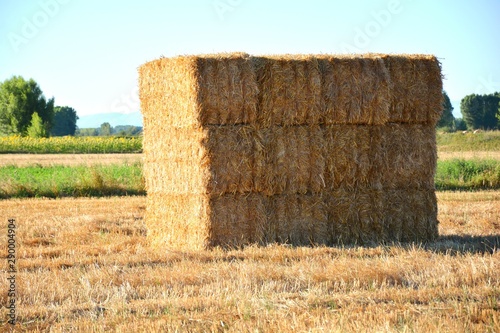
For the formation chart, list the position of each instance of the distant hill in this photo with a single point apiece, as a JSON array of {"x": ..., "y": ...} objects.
[{"x": 114, "y": 119}]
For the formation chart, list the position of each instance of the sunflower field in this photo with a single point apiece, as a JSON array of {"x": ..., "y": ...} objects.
[{"x": 70, "y": 145}]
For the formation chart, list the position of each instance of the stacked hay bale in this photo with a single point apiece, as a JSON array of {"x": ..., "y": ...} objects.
[{"x": 290, "y": 149}]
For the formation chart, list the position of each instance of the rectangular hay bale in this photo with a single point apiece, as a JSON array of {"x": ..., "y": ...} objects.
[
  {"x": 290, "y": 90},
  {"x": 356, "y": 90},
  {"x": 410, "y": 215},
  {"x": 297, "y": 219},
  {"x": 197, "y": 222},
  {"x": 192, "y": 91},
  {"x": 201, "y": 160},
  {"x": 416, "y": 89}
]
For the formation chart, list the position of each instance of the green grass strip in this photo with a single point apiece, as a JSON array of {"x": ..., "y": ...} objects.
[
  {"x": 458, "y": 141},
  {"x": 66, "y": 181},
  {"x": 126, "y": 179},
  {"x": 468, "y": 175}
]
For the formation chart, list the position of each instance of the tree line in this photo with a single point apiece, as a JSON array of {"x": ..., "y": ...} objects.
[
  {"x": 106, "y": 129},
  {"x": 25, "y": 111},
  {"x": 478, "y": 111}
]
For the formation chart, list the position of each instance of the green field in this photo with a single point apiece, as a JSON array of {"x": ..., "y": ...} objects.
[
  {"x": 461, "y": 174},
  {"x": 126, "y": 179},
  {"x": 464, "y": 173},
  {"x": 458, "y": 141},
  {"x": 71, "y": 181}
]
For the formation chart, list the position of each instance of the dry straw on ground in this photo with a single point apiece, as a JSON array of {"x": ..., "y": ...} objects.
[{"x": 298, "y": 149}]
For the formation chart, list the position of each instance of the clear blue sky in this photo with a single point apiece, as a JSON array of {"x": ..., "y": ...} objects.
[{"x": 85, "y": 53}]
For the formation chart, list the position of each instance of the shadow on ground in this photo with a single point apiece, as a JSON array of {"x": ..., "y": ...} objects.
[{"x": 463, "y": 244}]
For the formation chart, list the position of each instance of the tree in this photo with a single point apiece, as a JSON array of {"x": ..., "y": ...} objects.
[
  {"x": 19, "y": 100},
  {"x": 460, "y": 124},
  {"x": 86, "y": 132},
  {"x": 64, "y": 121},
  {"x": 37, "y": 128},
  {"x": 498, "y": 111},
  {"x": 471, "y": 111},
  {"x": 127, "y": 130},
  {"x": 490, "y": 109},
  {"x": 480, "y": 111},
  {"x": 447, "y": 119},
  {"x": 105, "y": 129}
]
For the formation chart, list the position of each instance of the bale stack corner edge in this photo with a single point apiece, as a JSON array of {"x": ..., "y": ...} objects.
[{"x": 296, "y": 149}]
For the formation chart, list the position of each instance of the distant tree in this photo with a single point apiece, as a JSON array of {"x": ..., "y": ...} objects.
[
  {"x": 479, "y": 111},
  {"x": 460, "y": 124},
  {"x": 498, "y": 111},
  {"x": 447, "y": 120},
  {"x": 64, "y": 121},
  {"x": 105, "y": 129},
  {"x": 470, "y": 107},
  {"x": 86, "y": 132},
  {"x": 37, "y": 128},
  {"x": 127, "y": 130},
  {"x": 19, "y": 100},
  {"x": 490, "y": 109}
]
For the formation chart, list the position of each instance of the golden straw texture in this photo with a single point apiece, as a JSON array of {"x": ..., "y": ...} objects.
[{"x": 297, "y": 149}]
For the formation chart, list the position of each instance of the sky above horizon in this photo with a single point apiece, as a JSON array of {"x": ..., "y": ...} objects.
[{"x": 85, "y": 54}]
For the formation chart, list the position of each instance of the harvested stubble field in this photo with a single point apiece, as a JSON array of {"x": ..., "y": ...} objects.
[
  {"x": 68, "y": 159},
  {"x": 85, "y": 265},
  {"x": 468, "y": 155}
]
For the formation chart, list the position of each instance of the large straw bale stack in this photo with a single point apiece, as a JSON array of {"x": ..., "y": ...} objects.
[{"x": 295, "y": 149}]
